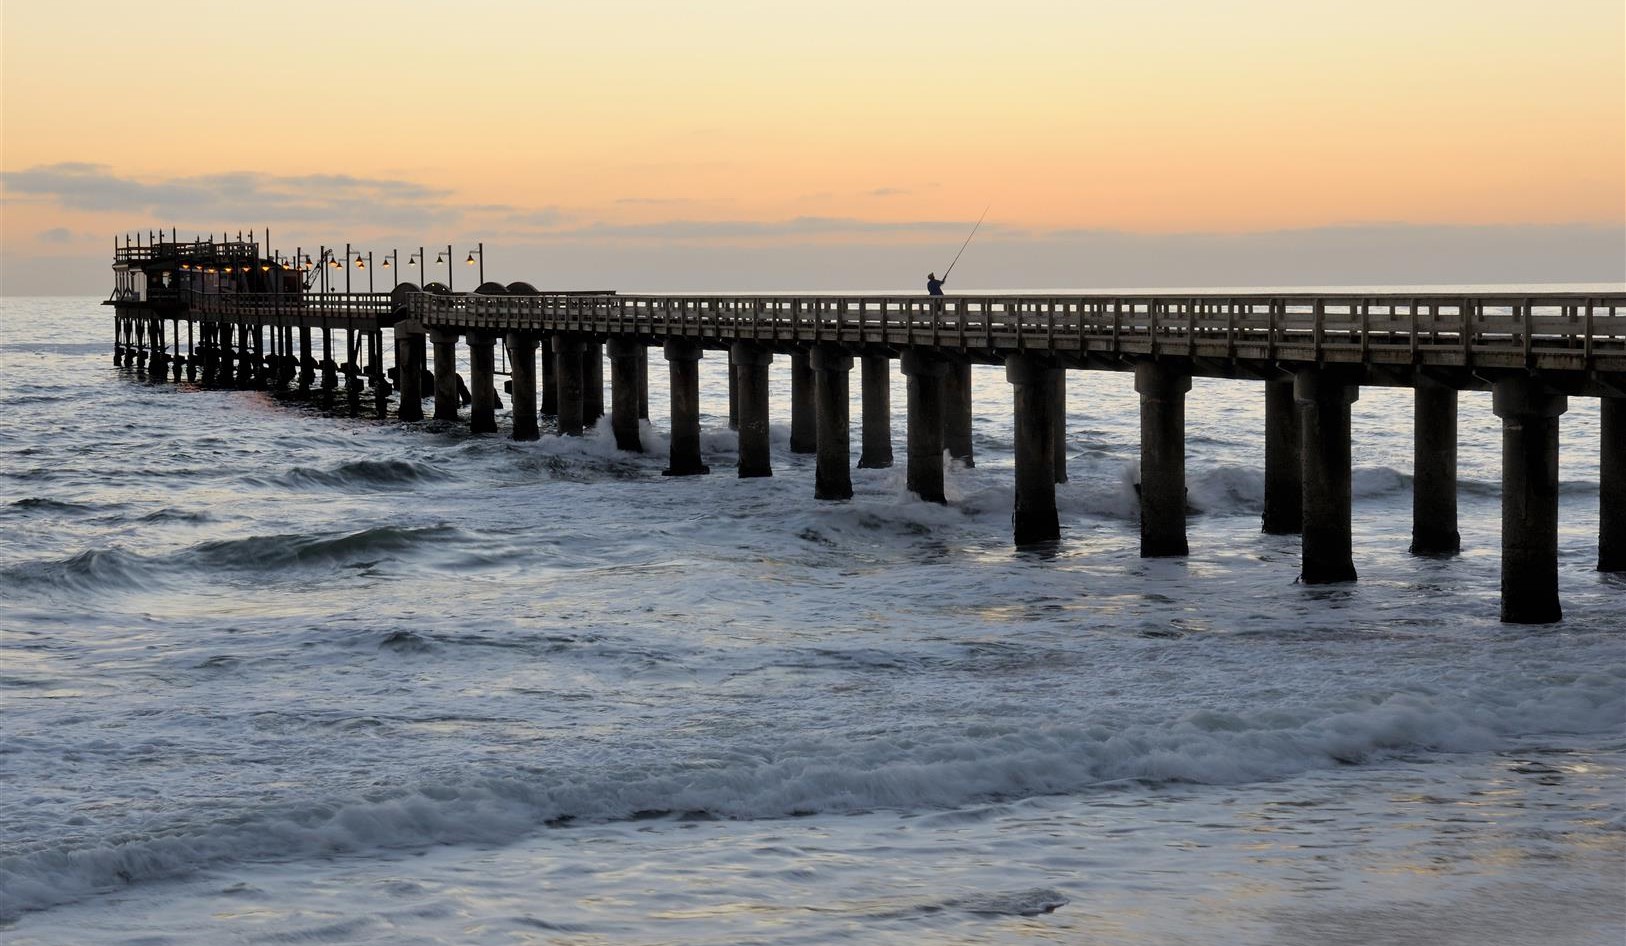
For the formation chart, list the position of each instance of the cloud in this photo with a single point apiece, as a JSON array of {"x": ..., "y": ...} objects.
[
  {"x": 55, "y": 235},
  {"x": 886, "y": 192},
  {"x": 237, "y": 196},
  {"x": 727, "y": 230},
  {"x": 545, "y": 218}
]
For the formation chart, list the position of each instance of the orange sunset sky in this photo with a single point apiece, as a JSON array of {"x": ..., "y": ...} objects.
[{"x": 839, "y": 144}]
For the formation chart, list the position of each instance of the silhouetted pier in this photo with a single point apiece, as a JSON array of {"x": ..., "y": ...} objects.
[{"x": 256, "y": 321}]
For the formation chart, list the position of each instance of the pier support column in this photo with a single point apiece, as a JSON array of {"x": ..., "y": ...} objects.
[
  {"x": 377, "y": 376},
  {"x": 248, "y": 357},
  {"x": 1323, "y": 396},
  {"x": 567, "y": 362},
  {"x": 410, "y": 372},
  {"x": 1434, "y": 470},
  {"x": 157, "y": 356},
  {"x": 446, "y": 399},
  {"x": 641, "y": 369},
  {"x": 1284, "y": 463},
  {"x": 1058, "y": 421},
  {"x": 307, "y": 364},
  {"x": 592, "y": 382},
  {"x": 118, "y": 340},
  {"x": 1529, "y": 413},
  {"x": 1033, "y": 381},
  {"x": 550, "y": 376},
  {"x": 225, "y": 357},
  {"x": 624, "y": 357},
  {"x": 957, "y": 411},
  {"x": 733, "y": 390},
  {"x": 804, "y": 436},
  {"x": 1612, "y": 485},
  {"x": 748, "y": 404},
  {"x": 832, "y": 477},
  {"x": 925, "y": 371},
  {"x": 683, "y": 359},
  {"x": 522, "y": 372},
  {"x": 482, "y": 383},
  {"x": 876, "y": 382},
  {"x": 1162, "y": 388}
]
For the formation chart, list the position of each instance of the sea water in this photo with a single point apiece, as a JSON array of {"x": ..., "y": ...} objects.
[{"x": 275, "y": 675}]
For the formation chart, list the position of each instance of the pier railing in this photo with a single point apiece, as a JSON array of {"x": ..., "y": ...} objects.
[
  {"x": 282, "y": 306},
  {"x": 1563, "y": 331}
]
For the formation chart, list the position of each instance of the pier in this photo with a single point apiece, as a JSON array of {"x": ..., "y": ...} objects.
[{"x": 222, "y": 313}]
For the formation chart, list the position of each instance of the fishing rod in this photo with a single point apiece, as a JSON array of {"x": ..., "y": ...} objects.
[{"x": 966, "y": 243}]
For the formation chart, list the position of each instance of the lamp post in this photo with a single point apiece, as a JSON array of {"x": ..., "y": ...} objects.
[
  {"x": 418, "y": 258},
  {"x": 480, "y": 251},
  {"x": 366, "y": 262},
  {"x": 441, "y": 260},
  {"x": 392, "y": 263}
]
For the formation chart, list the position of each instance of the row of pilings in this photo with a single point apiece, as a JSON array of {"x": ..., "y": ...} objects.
[
  {"x": 1307, "y": 449},
  {"x": 252, "y": 356}
]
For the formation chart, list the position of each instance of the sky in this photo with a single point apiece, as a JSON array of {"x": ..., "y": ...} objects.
[{"x": 719, "y": 145}]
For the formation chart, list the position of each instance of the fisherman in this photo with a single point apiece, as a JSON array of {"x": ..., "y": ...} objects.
[{"x": 934, "y": 286}]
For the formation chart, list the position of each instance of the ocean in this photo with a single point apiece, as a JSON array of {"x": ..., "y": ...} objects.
[{"x": 271, "y": 675}]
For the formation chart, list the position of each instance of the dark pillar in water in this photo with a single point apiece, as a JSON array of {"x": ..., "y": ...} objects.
[
  {"x": 1612, "y": 485},
  {"x": 925, "y": 371},
  {"x": 833, "y": 470},
  {"x": 567, "y": 364},
  {"x": 1434, "y": 470},
  {"x": 224, "y": 355},
  {"x": 176, "y": 362},
  {"x": 118, "y": 340},
  {"x": 1058, "y": 421},
  {"x": 522, "y": 372},
  {"x": 156, "y": 356},
  {"x": 876, "y": 381},
  {"x": 248, "y": 357},
  {"x": 957, "y": 410},
  {"x": 550, "y": 376},
  {"x": 625, "y": 354},
  {"x": 1324, "y": 396},
  {"x": 641, "y": 365},
  {"x": 804, "y": 437},
  {"x": 352, "y": 372},
  {"x": 376, "y": 374},
  {"x": 683, "y": 358},
  {"x": 307, "y": 364},
  {"x": 446, "y": 399},
  {"x": 733, "y": 391},
  {"x": 592, "y": 382},
  {"x": 1284, "y": 463},
  {"x": 748, "y": 405},
  {"x": 482, "y": 383},
  {"x": 409, "y": 369},
  {"x": 1034, "y": 380},
  {"x": 1529, "y": 412},
  {"x": 1162, "y": 388}
]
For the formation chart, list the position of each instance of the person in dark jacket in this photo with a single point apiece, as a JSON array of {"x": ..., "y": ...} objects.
[{"x": 934, "y": 286}]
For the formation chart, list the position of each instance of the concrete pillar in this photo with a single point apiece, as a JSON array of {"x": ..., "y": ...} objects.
[
  {"x": 957, "y": 411},
  {"x": 376, "y": 374},
  {"x": 683, "y": 359},
  {"x": 1324, "y": 396},
  {"x": 748, "y": 396},
  {"x": 330, "y": 367},
  {"x": 352, "y": 372},
  {"x": 1058, "y": 421},
  {"x": 446, "y": 399},
  {"x": 225, "y": 357},
  {"x": 550, "y": 376},
  {"x": 409, "y": 369},
  {"x": 733, "y": 392},
  {"x": 1612, "y": 485},
  {"x": 118, "y": 340},
  {"x": 307, "y": 364},
  {"x": 155, "y": 355},
  {"x": 1034, "y": 380},
  {"x": 833, "y": 470},
  {"x": 1434, "y": 470},
  {"x": 522, "y": 372},
  {"x": 482, "y": 383},
  {"x": 641, "y": 365},
  {"x": 567, "y": 362},
  {"x": 925, "y": 371},
  {"x": 592, "y": 382},
  {"x": 624, "y": 357},
  {"x": 248, "y": 357},
  {"x": 1529, "y": 413},
  {"x": 804, "y": 437},
  {"x": 876, "y": 382},
  {"x": 178, "y": 360},
  {"x": 1284, "y": 463},
  {"x": 1162, "y": 387}
]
